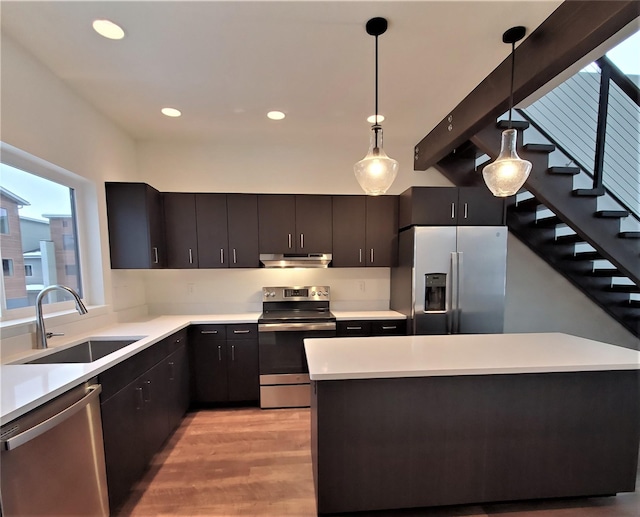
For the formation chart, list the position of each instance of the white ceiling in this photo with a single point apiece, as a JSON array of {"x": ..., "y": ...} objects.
[{"x": 224, "y": 64}]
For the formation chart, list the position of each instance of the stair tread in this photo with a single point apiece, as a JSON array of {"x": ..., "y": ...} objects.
[
  {"x": 528, "y": 205},
  {"x": 587, "y": 255},
  {"x": 569, "y": 239},
  {"x": 615, "y": 214},
  {"x": 588, "y": 192},
  {"x": 612, "y": 272},
  {"x": 563, "y": 170},
  {"x": 515, "y": 124},
  {"x": 539, "y": 148},
  {"x": 549, "y": 222},
  {"x": 624, "y": 288},
  {"x": 629, "y": 235}
]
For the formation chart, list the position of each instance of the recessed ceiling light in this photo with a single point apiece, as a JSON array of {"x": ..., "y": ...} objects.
[
  {"x": 108, "y": 29},
  {"x": 276, "y": 115},
  {"x": 171, "y": 112},
  {"x": 372, "y": 119}
]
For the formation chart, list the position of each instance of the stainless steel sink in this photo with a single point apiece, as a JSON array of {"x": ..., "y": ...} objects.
[{"x": 85, "y": 352}]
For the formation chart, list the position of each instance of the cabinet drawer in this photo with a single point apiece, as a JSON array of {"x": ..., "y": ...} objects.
[
  {"x": 242, "y": 331},
  {"x": 353, "y": 328},
  {"x": 388, "y": 328},
  {"x": 209, "y": 332}
]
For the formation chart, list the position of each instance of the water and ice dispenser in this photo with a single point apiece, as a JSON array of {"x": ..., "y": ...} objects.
[{"x": 435, "y": 292}]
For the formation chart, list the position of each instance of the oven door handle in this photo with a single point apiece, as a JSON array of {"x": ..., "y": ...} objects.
[{"x": 289, "y": 327}]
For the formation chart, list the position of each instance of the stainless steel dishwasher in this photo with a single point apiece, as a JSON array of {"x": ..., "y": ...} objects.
[{"x": 52, "y": 458}]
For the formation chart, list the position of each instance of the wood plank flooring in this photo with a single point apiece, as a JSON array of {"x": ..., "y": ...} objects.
[{"x": 257, "y": 463}]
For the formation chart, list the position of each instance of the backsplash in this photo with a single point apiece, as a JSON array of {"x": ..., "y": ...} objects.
[{"x": 229, "y": 291}]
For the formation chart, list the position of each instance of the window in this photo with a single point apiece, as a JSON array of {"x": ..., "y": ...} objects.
[
  {"x": 7, "y": 267},
  {"x": 45, "y": 237},
  {"x": 4, "y": 221}
]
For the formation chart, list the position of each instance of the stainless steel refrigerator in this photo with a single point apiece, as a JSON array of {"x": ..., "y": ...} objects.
[{"x": 451, "y": 280}]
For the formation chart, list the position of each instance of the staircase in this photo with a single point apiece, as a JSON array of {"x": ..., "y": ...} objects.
[{"x": 563, "y": 224}]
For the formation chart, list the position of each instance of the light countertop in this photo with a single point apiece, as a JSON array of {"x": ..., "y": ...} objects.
[
  {"x": 24, "y": 387},
  {"x": 462, "y": 354}
]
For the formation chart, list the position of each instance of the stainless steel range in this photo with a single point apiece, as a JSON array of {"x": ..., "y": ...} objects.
[{"x": 290, "y": 314}]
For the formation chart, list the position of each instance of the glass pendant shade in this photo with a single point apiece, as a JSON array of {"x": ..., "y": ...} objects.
[
  {"x": 506, "y": 175},
  {"x": 376, "y": 171}
]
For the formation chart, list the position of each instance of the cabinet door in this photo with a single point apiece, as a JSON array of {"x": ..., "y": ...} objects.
[
  {"x": 157, "y": 395},
  {"x": 388, "y": 328},
  {"x": 123, "y": 435},
  {"x": 178, "y": 373},
  {"x": 313, "y": 224},
  {"x": 431, "y": 206},
  {"x": 349, "y": 223},
  {"x": 242, "y": 223},
  {"x": 180, "y": 230},
  {"x": 276, "y": 213},
  {"x": 208, "y": 363},
  {"x": 381, "y": 233},
  {"x": 135, "y": 220},
  {"x": 477, "y": 206},
  {"x": 353, "y": 328},
  {"x": 242, "y": 361},
  {"x": 211, "y": 224}
]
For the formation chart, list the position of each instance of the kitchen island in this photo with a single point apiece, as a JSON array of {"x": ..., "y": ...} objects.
[{"x": 414, "y": 421}]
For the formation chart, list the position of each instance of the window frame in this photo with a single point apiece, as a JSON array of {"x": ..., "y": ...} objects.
[
  {"x": 4, "y": 221},
  {"x": 87, "y": 226}
]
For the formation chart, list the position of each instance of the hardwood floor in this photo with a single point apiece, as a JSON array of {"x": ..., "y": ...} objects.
[{"x": 253, "y": 462}]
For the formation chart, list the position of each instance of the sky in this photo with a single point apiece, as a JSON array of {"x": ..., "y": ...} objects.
[
  {"x": 626, "y": 56},
  {"x": 44, "y": 196}
]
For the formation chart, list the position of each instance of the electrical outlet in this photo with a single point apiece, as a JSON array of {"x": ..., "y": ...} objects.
[
  {"x": 190, "y": 288},
  {"x": 361, "y": 285}
]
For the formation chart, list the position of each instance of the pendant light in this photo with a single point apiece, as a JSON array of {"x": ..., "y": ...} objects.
[
  {"x": 506, "y": 175},
  {"x": 376, "y": 171}
]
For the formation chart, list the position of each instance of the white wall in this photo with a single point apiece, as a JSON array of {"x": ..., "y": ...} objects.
[{"x": 41, "y": 116}]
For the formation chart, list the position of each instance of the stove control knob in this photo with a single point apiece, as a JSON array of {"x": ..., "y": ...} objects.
[
  {"x": 326, "y": 293},
  {"x": 313, "y": 293}
]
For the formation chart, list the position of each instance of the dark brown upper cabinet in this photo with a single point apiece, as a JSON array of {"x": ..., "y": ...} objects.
[
  {"x": 364, "y": 231},
  {"x": 450, "y": 206},
  {"x": 180, "y": 230},
  {"x": 135, "y": 220},
  {"x": 212, "y": 233},
  {"x": 294, "y": 223},
  {"x": 242, "y": 223}
]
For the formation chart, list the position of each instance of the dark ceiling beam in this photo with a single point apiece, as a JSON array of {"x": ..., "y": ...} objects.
[{"x": 573, "y": 30}]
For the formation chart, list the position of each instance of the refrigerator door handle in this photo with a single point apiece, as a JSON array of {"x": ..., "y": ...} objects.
[
  {"x": 452, "y": 304},
  {"x": 459, "y": 295}
]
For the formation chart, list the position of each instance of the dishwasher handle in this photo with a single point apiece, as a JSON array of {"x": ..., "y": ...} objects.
[{"x": 16, "y": 441}]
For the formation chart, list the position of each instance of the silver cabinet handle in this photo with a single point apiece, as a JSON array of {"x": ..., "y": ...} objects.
[
  {"x": 233, "y": 352},
  {"x": 155, "y": 254},
  {"x": 393, "y": 327},
  {"x": 302, "y": 241},
  {"x": 148, "y": 397},
  {"x": 171, "y": 371},
  {"x": 35, "y": 431},
  {"x": 221, "y": 256},
  {"x": 453, "y": 210},
  {"x": 235, "y": 261},
  {"x": 466, "y": 210},
  {"x": 372, "y": 255},
  {"x": 354, "y": 328},
  {"x": 360, "y": 255},
  {"x": 140, "y": 398},
  {"x": 241, "y": 331},
  {"x": 289, "y": 241},
  {"x": 208, "y": 332},
  {"x": 219, "y": 353},
  {"x": 190, "y": 256}
]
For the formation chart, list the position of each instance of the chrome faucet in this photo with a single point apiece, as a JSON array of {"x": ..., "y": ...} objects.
[{"x": 41, "y": 334}]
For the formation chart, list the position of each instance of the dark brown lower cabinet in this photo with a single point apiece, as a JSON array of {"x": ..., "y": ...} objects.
[
  {"x": 224, "y": 363},
  {"x": 363, "y": 328},
  {"x": 142, "y": 406},
  {"x": 446, "y": 440}
]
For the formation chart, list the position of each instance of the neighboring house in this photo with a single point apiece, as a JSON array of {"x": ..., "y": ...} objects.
[
  {"x": 13, "y": 270},
  {"x": 63, "y": 238}
]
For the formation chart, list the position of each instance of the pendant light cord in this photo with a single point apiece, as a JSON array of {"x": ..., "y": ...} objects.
[
  {"x": 513, "y": 67},
  {"x": 376, "y": 82}
]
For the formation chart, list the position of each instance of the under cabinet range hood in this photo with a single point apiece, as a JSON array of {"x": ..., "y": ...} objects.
[{"x": 290, "y": 260}]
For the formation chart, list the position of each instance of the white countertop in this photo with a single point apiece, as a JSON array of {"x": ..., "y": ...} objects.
[
  {"x": 24, "y": 387},
  {"x": 462, "y": 354}
]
